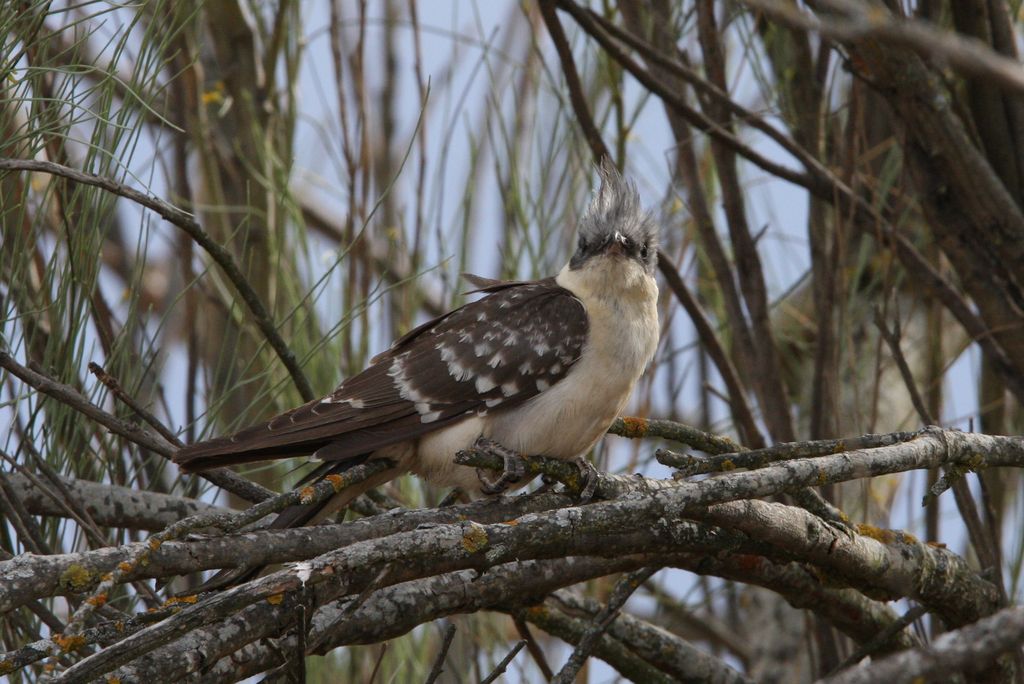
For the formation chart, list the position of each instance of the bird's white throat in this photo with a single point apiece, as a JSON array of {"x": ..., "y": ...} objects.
[
  {"x": 611, "y": 278},
  {"x": 621, "y": 300}
]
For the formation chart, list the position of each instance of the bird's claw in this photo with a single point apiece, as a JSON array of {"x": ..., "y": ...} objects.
[
  {"x": 588, "y": 479},
  {"x": 512, "y": 472}
]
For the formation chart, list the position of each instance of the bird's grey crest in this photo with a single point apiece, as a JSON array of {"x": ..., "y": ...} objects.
[{"x": 615, "y": 213}]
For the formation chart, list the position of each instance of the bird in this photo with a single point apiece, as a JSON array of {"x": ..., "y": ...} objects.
[{"x": 537, "y": 367}]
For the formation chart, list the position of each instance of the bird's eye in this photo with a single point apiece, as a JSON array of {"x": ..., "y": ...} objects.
[
  {"x": 583, "y": 244},
  {"x": 643, "y": 251}
]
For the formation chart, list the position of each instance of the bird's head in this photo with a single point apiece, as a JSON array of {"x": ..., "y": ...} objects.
[{"x": 616, "y": 235}]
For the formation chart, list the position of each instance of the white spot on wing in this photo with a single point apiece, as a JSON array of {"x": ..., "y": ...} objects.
[
  {"x": 542, "y": 385},
  {"x": 402, "y": 383},
  {"x": 458, "y": 371},
  {"x": 303, "y": 570},
  {"x": 509, "y": 388},
  {"x": 351, "y": 401},
  {"x": 430, "y": 417},
  {"x": 484, "y": 384}
]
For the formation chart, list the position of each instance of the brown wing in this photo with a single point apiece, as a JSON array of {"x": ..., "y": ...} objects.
[{"x": 488, "y": 355}]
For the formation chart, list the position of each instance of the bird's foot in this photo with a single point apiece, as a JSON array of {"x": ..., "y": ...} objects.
[
  {"x": 512, "y": 472},
  {"x": 589, "y": 478}
]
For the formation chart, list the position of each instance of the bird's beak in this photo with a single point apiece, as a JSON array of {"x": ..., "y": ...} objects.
[{"x": 617, "y": 245}]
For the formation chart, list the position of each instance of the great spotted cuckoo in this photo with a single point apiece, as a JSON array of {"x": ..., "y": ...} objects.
[{"x": 539, "y": 367}]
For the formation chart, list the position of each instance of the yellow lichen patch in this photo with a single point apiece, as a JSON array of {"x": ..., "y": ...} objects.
[
  {"x": 6, "y": 667},
  {"x": 474, "y": 538},
  {"x": 113, "y": 680},
  {"x": 154, "y": 544},
  {"x": 937, "y": 545},
  {"x": 275, "y": 599},
  {"x": 69, "y": 644},
  {"x": 514, "y": 521},
  {"x": 191, "y": 598},
  {"x": 538, "y": 610},
  {"x": 107, "y": 576},
  {"x": 727, "y": 464},
  {"x": 124, "y": 566},
  {"x": 634, "y": 427},
  {"x": 76, "y": 578},
  {"x": 337, "y": 481},
  {"x": 877, "y": 533},
  {"x": 214, "y": 95},
  {"x": 306, "y": 495},
  {"x": 886, "y": 536},
  {"x": 97, "y": 600}
]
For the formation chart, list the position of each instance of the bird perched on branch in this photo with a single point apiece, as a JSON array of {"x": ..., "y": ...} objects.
[{"x": 539, "y": 367}]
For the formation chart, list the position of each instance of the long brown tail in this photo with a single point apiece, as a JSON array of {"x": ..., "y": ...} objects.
[{"x": 303, "y": 514}]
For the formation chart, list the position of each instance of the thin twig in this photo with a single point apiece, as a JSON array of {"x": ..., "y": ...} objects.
[
  {"x": 503, "y": 665},
  {"x": 622, "y": 591},
  {"x": 892, "y": 338},
  {"x": 637, "y": 428},
  {"x": 688, "y": 465},
  {"x": 882, "y": 639},
  {"x": 115, "y": 388},
  {"x": 532, "y": 646},
  {"x": 446, "y": 643},
  {"x": 572, "y": 82}
]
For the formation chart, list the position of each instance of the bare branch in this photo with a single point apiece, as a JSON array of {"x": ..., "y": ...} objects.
[
  {"x": 624, "y": 588},
  {"x": 110, "y": 505},
  {"x": 862, "y": 22},
  {"x": 970, "y": 649}
]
